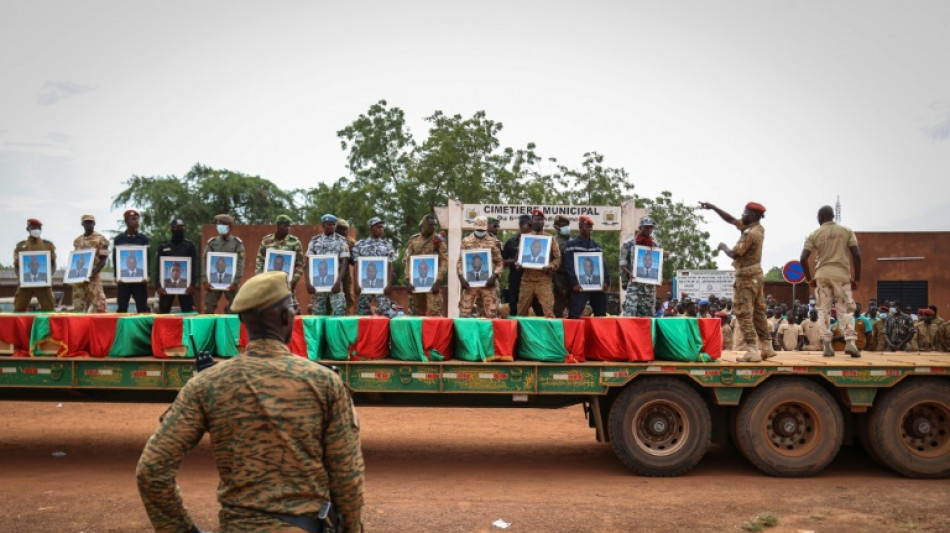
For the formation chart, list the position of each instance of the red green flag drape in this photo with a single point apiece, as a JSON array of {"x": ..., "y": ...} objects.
[
  {"x": 421, "y": 338},
  {"x": 678, "y": 339},
  {"x": 620, "y": 339}
]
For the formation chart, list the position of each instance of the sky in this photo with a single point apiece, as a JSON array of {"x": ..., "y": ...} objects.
[{"x": 787, "y": 103}]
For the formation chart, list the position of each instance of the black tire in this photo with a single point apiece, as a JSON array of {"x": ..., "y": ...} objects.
[
  {"x": 660, "y": 427},
  {"x": 909, "y": 429},
  {"x": 862, "y": 430},
  {"x": 789, "y": 428}
]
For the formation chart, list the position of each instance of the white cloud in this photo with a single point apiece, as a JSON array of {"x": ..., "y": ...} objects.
[
  {"x": 54, "y": 91},
  {"x": 938, "y": 127}
]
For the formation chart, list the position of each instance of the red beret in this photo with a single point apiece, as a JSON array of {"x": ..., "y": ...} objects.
[
  {"x": 925, "y": 312},
  {"x": 537, "y": 212},
  {"x": 33, "y": 222},
  {"x": 755, "y": 206},
  {"x": 721, "y": 314},
  {"x": 884, "y": 308},
  {"x": 587, "y": 219},
  {"x": 130, "y": 212}
]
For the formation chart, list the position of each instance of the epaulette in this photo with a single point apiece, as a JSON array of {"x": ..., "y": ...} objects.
[
  {"x": 438, "y": 238},
  {"x": 414, "y": 235},
  {"x": 21, "y": 243},
  {"x": 238, "y": 239}
]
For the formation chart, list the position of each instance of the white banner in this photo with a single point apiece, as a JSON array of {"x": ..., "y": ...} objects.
[
  {"x": 606, "y": 218},
  {"x": 700, "y": 284}
]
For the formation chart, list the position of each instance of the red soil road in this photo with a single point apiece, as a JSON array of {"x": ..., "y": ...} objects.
[{"x": 452, "y": 470}]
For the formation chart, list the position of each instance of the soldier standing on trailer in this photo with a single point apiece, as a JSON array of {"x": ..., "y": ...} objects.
[
  {"x": 641, "y": 297},
  {"x": 836, "y": 250},
  {"x": 224, "y": 242},
  {"x": 426, "y": 242},
  {"x": 562, "y": 282},
  {"x": 90, "y": 294},
  {"x": 44, "y": 295},
  {"x": 479, "y": 239},
  {"x": 749, "y": 299}
]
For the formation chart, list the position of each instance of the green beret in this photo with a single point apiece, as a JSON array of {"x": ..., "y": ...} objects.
[
  {"x": 283, "y": 218},
  {"x": 493, "y": 220},
  {"x": 261, "y": 291}
]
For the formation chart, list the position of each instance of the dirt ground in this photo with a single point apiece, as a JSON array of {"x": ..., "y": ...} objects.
[{"x": 452, "y": 470}]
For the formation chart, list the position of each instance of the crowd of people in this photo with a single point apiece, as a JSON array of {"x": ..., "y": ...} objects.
[{"x": 751, "y": 322}]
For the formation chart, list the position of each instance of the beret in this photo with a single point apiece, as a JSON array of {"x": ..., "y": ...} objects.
[
  {"x": 130, "y": 213},
  {"x": 342, "y": 223},
  {"x": 537, "y": 212},
  {"x": 755, "y": 206},
  {"x": 884, "y": 308},
  {"x": 261, "y": 291},
  {"x": 284, "y": 219},
  {"x": 925, "y": 312},
  {"x": 328, "y": 218},
  {"x": 224, "y": 219},
  {"x": 33, "y": 222},
  {"x": 561, "y": 218},
  {"x": 587, "y": 219}
]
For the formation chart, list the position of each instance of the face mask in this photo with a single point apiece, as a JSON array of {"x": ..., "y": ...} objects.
[
  {"x": 565, "y": 230},
  {"x": 178, "y": 235},
  {"x": 893, "y": 309},
  {"x": 480, "y": 233},
  {"x": 223, "y": 229},
  {"x": 35, "y": 233}
]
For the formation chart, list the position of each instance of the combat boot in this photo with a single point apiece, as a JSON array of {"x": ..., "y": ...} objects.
[
  {"x": 752, "y": 355},
  {"x": 829, "y": 351},
  {"x": 851, "y": 349},
  {"x": 765, "y": 348}
]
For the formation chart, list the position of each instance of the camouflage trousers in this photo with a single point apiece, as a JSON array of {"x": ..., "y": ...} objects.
[
  {"x": 640, "y": 300},
  {"x": 489, "y": 299},
  {"x": 347, "y": 285},
  {"x": 425, "y": 303},
  {"x": 383, "y": 304},
  {"x": 43, "y": 295},
  {"x": 89, "y": 296},
  {"x": 835, "y": 292},
  {"x": 749, "y": 305},
  {"x": 536, "y": 288},
  {"x": 213, "y": 297},
  {"x": 337, "y": 303}
]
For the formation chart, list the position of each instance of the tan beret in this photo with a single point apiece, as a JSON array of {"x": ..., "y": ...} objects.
[
  {"x": 261, "y": 291},
  {"x": 342, "y": 223},
  {"x": 224, "y": 219},
  {"x": 90, "y": 218}
]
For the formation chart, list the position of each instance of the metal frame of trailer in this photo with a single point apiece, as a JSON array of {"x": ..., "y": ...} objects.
[{"x": 788, "y": 415}]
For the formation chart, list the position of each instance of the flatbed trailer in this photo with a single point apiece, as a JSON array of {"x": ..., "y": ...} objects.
[{"x": 789, "y": 415}]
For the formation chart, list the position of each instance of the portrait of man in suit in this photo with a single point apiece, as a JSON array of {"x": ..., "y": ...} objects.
[
  {"x": 222, "y": 272},
  {"x": 477, "y": 271},
  {"x": 590, "y": 275},
  {"x": 79, "y": 267},
  {"x": 536, "y": 252},
  {"x": 423, "y": 278},
  {"x": 278, "y": 263},
  {"x": 33, "y": 272},
  {"x": 174, "y": 279},
  {"x": 646, "y": 268},
  {"x": 325, "y": 274},
  {"x": 371, "y": 278},
  {"x": 131, "y": 268}
]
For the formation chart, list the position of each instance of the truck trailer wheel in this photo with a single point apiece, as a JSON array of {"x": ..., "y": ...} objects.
[
  {"x": 660, "y": 427},
  {"x": 789, "y": 428},
  {"x": 909, "y": 429}
]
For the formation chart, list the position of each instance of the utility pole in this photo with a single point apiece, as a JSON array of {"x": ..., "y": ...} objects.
[{"x": 838, "y": 210}]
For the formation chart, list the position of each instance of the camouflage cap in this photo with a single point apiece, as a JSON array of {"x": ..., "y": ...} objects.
[
  {"x": 481, "y": 223},
  {"x": 261, "y": 291},
  {"x": 342, "y": 223},
  {"x": 88, "y": 218},
  {"x": 647, "y": 221},
  {"x": 373, "y": 221}
]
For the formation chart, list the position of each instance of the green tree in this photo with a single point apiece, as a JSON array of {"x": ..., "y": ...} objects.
[
  {"x": 774, "y": 274},
  {"x": 678, "y": 230},
  {"x": 198, "y": 196}
]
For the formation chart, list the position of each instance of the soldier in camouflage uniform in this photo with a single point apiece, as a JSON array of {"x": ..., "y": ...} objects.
[
  {"x": 899, "y": 331},
  {"x": 487, "y": 294},
  {"x": 343, "y": 229},
  {"x": 329, "y": 243},
  {"x": 534, "y": 282},
  {"x": 927, "y": 330},
  {"x": 284, "y": 434},
  {"x": 562, "y": 284},
  {"x": 942, "y": 341},
  {"x": 426, "y": 242},
  {"x": 375, "y": 246},
  {"x": 228, "y": 243},
  {"x": 44, "y": 295},
  {"x": 749, "y": 298},
  {"x": 89, "y": 294},
  {"x": 640, "y": 299},
  {"x": 282, "y": 240}
]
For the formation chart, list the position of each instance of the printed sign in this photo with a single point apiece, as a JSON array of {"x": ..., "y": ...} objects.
[
  {"x": 703, "y": 283},
  {"x": 605, "y": 217}
]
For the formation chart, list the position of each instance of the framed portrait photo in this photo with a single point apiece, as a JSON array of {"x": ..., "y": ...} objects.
[
  {"x": 589, "y": 267},
  {"x": 476, "y": 266},
  {"x": 323, "y": 271},
  {"x": 423, "y": 271},
  {"x": 79, "y": 265},
  {"x": 280, "y": 260},
  {"x": 649, "y": 265},
  {"x": 534, "y": 251},
  {"x": 133, "y": 264},
  {"x": 174, "y": 273},
  {"x": 35, "y": 269},
  {"x": 373, "y": 274},
  {"x": 220, "y": 269}
]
